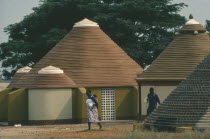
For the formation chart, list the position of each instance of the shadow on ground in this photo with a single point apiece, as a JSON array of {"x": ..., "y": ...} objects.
[{"x": 86, "y": 130}]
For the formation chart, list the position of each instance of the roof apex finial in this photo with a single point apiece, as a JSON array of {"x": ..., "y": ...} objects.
[
  {"x": 85, "y": 22},
  {"x": 24, "y": 70},
  {"x": 191, "y": 16},
  {"x": 50, "y": 70},
  {"x": 191, "y": 21}
]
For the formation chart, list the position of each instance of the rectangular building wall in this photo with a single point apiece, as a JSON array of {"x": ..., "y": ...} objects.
[
  {"x": 126, "y": 99},
  {"x": 162, "y": 91},
  {"x": 126, "y": 103}
]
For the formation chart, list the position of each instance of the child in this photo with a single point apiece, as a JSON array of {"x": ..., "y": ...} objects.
[{"x": 96, "y": 97}]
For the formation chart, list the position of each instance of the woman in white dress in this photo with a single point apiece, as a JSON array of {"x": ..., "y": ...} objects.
[{"x": 92, "y": 110}]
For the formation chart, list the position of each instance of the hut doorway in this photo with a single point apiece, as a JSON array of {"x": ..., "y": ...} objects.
[{"x": 108, "y": 112}]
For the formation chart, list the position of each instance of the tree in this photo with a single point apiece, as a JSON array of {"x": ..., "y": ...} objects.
[
  {"x": 208, "y": 25},
  {"x": 142, "y": 28}
]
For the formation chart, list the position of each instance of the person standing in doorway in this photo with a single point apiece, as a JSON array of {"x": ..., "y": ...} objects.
[
  {"x": 152, "y": 99},
  {"x": 92, "y": 110}
]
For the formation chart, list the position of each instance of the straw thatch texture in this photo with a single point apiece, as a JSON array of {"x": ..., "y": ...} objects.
[
  {"x": 88, "y": 57},
  {"x": 15, "y": 79},
  {"x": 181, "y": 56}
]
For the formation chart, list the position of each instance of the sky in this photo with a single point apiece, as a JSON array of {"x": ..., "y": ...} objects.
[
  {"x": 199, "y": 8},
  {"x": 13, "y": 11}
]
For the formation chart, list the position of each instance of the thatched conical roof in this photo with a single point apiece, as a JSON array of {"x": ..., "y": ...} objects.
[
  {"x": 89, "y": 58},
  {"x": 181, "y": 56},
  {"x": 18, "y": 75},
  {"x": 188, "y": 105},
  {"x": 52, "y": 77}
]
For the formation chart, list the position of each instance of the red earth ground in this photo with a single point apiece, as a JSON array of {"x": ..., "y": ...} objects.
[{"x": 109, "y": 130}]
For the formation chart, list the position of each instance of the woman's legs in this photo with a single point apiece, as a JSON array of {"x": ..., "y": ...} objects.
[
  {"x": 89, "y": 125},
  {"x": 100, "y": 126}
]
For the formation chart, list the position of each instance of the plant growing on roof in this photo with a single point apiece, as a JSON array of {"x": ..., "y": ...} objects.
[{"x": 208, "y": 26}]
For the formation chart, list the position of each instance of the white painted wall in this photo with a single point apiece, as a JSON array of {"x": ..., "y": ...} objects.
[
  {"x": 162, "y": 91},
  {"x": 50, "y": 104}
]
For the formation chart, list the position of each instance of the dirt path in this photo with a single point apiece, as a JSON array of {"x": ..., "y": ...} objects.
[{"x": 66, "y": 131}]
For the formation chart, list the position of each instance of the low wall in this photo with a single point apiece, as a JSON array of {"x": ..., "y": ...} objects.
[
  {"x": 18, "y": 106},
  {"x": 4, "y": 104},
  {"x": 79, "y": 112}
]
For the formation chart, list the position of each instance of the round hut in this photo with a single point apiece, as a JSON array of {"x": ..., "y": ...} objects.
[
  {"x": 188, "y": 105},
  {"x": 50, "y": 97},
  {"x": 175, "y": 63},
  {"x": 90, "y": 60}
]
